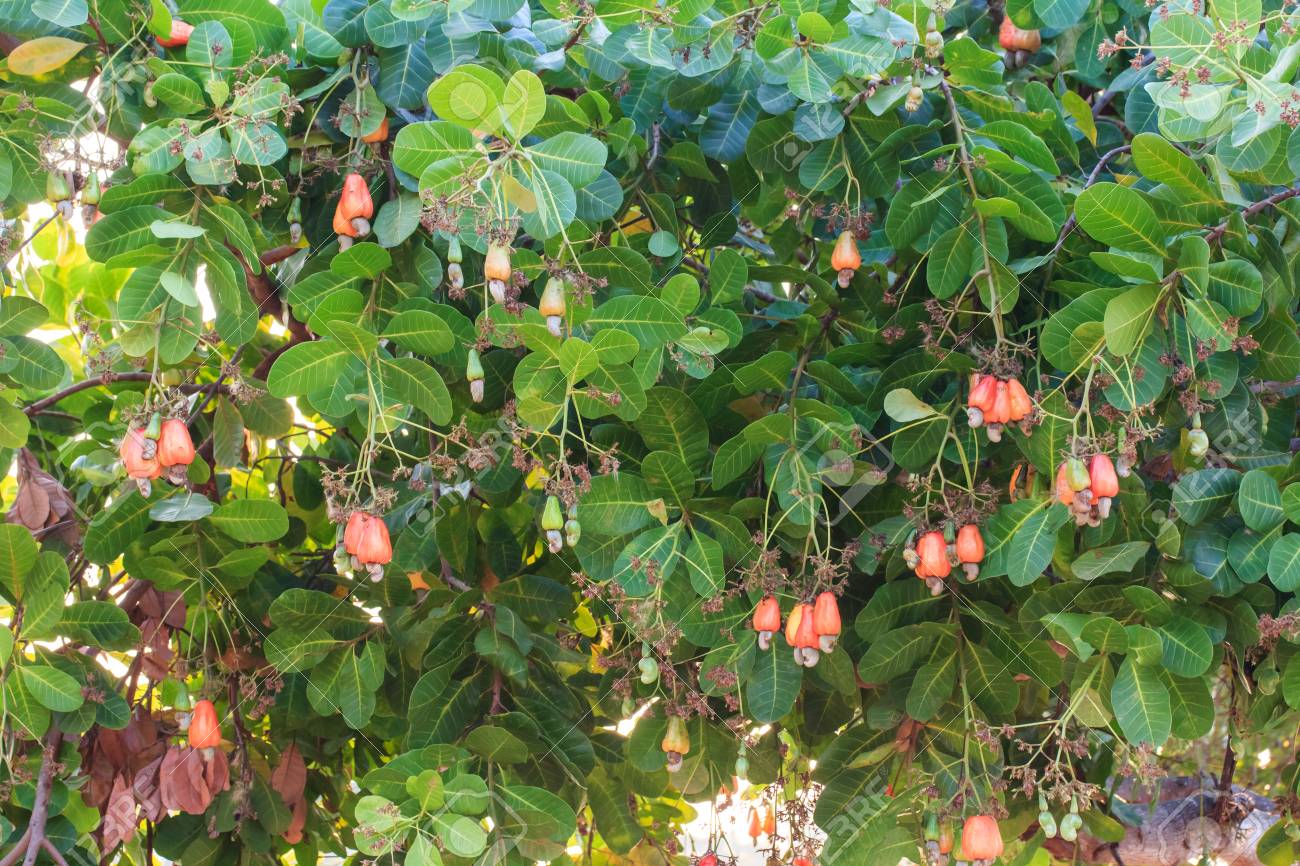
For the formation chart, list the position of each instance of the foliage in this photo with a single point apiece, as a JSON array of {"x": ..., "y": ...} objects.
[{"x": 718, "y": 413}]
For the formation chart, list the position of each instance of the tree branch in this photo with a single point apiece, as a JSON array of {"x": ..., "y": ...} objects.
[
  {"x": 1092, "y": 178},
  {"x": 41, "y": 799},
  {"x": 103, "y": 380},
  {"x": 1217, "y": 233}
]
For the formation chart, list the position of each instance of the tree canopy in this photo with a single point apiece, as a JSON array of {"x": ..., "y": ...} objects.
[{"x": 503, "y": 431}]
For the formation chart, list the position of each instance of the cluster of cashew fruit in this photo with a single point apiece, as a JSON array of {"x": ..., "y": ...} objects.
[
  {"x": 993, "y": 403},
  {"x": 60, "y": 188},
  {"x": 812, "y": 629},
  {"x": 497, "y": 271},
  {"x": 933, "y": 554},
  {"x": 1090, "y": 489},
  {"x": 559, "y": 531},
  {"x": 1070, "y": 824},
  {"x": 762, "y": 823},
  {"x": 161, "y": 447},
  {"x": 366, "y": 544}
]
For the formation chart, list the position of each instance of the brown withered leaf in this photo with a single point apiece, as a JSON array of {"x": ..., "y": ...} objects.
[
  {"x": 120, "y": 816},
  {"x": 181, "y": 781},
  {"x": 293, "y": 833},
  {"x": 146, "y": 789},
  {"x": 216, "y": 770},
  {"x": 290, "y": 775},
  {"x": 42, "y": 503}
]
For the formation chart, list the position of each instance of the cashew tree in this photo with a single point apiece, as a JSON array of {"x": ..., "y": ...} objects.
[{"x": 649, "y": 432}]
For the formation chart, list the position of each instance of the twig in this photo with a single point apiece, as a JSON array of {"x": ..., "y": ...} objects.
[
  {"x": 27, "y": 240},
  {"x": 94, "y": 25},
  {"x": 577, "y": 33},
  {"x": 54, "y": 853},
  {"x": 1216, "y": 234},
  {"x": 1229, "y": 768},
  {"x": 1092, "y": 178},
  {"x": 20, "y": 847},
  {"x": 452, "y": 580},
  {"x": 41, "y": 801},
  {"x": 497, "y": 706},
  {"x": 103, "y": 380},
  {"x": 995, "y": 303},
  {"x": 214, "y": 388}
]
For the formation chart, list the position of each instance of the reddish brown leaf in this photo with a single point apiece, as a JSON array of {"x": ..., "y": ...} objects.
[
  {"x": 216, "y": 770},
  {"x": 181, "y": 781},
  {"x": 120, "y": 816},
  {"x": 41, "y": 502},
  {"x": 146, "y": 789},
  {"x": 293, "y": 833},
  {"x": 290, "y": 775}
]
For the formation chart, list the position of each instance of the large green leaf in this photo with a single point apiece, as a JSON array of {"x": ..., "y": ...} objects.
[
  {"x": 1118, "y": 216},
  {"x": 1141, "y": 703},
  {"x": 773, "y": 684},
  {"x": 251, "y": 520},
  {"x": 308, "y": 368}
]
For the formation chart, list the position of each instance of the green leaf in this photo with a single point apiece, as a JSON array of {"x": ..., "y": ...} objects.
[
  {"x": 1260, "y": 501},
  {"x": 415, "y": 382},
  {"x": 1105, "y": 560},
  {"x": 523, "y": 103},
  {"x": 1120, "y": 217},
  {"x": 895, "y": 653},
  {"x": 1161, "y": 162},
  {"x": 308, "y": 368},
  {"x": 420, "y": 331},
  {"x": 251, "y": 520},
  {"x": 1199, "y": 494},
  {"x": 616, "y": 823},
  {"x": 96, "y": 622},
  {"x": 1033, "y": 544},
  {"x": 932, "y": 687},
  {"x": 469, "y": 96},
  {"x": 17, "y": 556},
  {"x": 1190, "y": 704},
  {"x": 14, "y": 426},
  {"x": 991, "y": 683},
  {"x": 1019, "y": 141},
  {"x": 496, "y": 744},
  {"x": 1141, "y": 703},
  {"x": 52, "y": 687},
  {"x": 1129, "y": 318},
  {"x": 1284, "y": 562},
  {"x": 1187, "y": 648}
]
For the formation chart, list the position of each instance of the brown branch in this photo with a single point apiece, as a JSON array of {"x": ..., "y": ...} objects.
[
  {"x": 1092, "y": 178},
  {"x": 20, "y": 847},
  {"x": 263, "y": 291},
  {"x": 577, "y": 34},
  {"x": 276, "y": 255},
  {"x": 99, "y": 34},
  {"x": 41, "y": 798},
  {"x": 54, "y": 853},
  {"x": 100, "y": 381},
  {"x": 215, "y": 387},
  {"x": 452, "y": 580},
  {"x": 1216, "y": 234}
]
